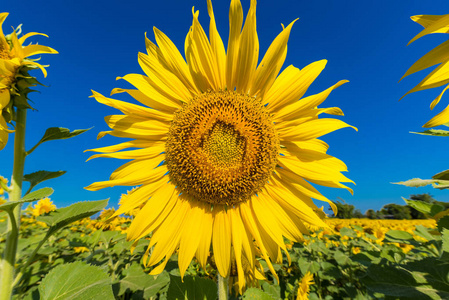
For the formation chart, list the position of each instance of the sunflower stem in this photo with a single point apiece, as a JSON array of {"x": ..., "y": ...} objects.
[
  {"x": 9, "y": 254},
  {"x": 223, "y": 287}
]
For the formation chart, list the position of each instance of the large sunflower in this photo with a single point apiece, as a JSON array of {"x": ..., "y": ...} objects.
[
  {"x": 226, "y": 153},
  {"x": 14, "y": 63},
  {"x": 439, "y": 55}
]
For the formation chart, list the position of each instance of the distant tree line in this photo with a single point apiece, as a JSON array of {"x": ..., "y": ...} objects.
[{"x": 389, "y": 211}]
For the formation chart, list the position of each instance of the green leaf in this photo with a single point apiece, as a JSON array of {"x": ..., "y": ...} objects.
[
  {"x": 442, "y": 175},
  {"x": 434, "y": 132},
  {"x": 77, "y": 280},
  {"x": 64, "y": 216},
  {"x": 308, "y": 266},
  {"x": 39, "y": 176},
  {"x": 445, "y": 239},
  {"x": 398, "y": 235},
  {"x": 274, "y": 290},
  {"x": 443, "y": 223},
  {"x": 423, "y": 279},
  {"x": 137, "y": 280},
  {"x": 256, "y": 294},
  {"x": 416, "y": 182},
  {"x": 57, "y": 133},
  {"x": 193, "y": 288},
  {"x": 36, "y": 195},
  {"x": 435, "y": 209},
  {"x": 420, "y": 206},
  {"x": 424, "y": 232},
  {"x": 39, "y": 194},
  {"x": 341, "y": 258},
  {"x": 345, "y": 231}
]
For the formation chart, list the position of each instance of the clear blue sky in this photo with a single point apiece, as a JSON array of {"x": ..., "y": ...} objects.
[{"x": 363, "y": 41}]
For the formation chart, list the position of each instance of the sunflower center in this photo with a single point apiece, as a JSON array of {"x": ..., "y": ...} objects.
[{"x": 222, "y": 147}]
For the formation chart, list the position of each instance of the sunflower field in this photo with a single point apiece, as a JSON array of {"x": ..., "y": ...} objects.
[{"x": 352, "y": 259}]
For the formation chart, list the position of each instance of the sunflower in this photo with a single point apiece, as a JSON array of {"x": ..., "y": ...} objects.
[
  {"x": 304, "y": 287},
  {"x": 43, "y": 206},
  {"x": 14, "y": 64},
  {"x": 223, "y": 152},
  {"x": 439, "y": 55}
]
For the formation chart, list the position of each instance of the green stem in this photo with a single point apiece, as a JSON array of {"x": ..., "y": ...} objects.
[
  {"x": 30, "y": 260},
  {"x": 223, "y": 287},
  {"x": 9, "y": 255}
]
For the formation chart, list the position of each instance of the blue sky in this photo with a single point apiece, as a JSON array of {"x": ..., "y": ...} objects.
[{"x": 363, "y": 41}]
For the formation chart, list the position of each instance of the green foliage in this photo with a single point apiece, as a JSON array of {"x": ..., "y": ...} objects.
[
  {"x": 57, "y": 133},
  {"x": 438, "y": 181},
  {"x": 193, "y": 287},
  {"x": 37, "y": 195},
  {"x": 425, "y": 279},
  {"x": 64, "y": 216},
  {"x": 397, "y": 211},
  {"x": 346, "y": 211},
  {"x": 140, "y": 284},
  {"x": 40, "y": 176},
  {"x": 434, "y": 132},
  {"x": 76, "y": 280},
  {"x": 257, "y": 294},
  {"x": 340, "y": 272}
]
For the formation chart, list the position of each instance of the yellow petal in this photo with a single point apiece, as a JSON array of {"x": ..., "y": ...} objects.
[
  {"x": 292, "y": 84},
  {"x": 3, "y": 132},
  {"x": 157, "y": 207},
  {"x": 147, "y": 94},
  {"x": 286, "y": 226},
  {"x": 291, "y": 203},
  {"x": 32, "y": 63},
  {"x": 2, "y": 19},
  {"x": 5, "y": 97},
  {"x": 235, "y": 26},
  {"x": 435, "y": 56},
  {"x": 272, "y": 62},
  {"x": 248, "y": 53},
  {"x": 191, "y": 235},
  {"x": 121, "y": 146},
  {"x": 217, "y": 47},
  {"x": 168, "y": 235},
  {"x": 438, "y": 77},
  {"x": 221, "y": 240},
  {"x": 136, "y": 126},
  {"x": 237, "y": 238},
  {"x": 38, "y": 49},
  {"x": 162, "y": 80},
  {"x": 439, "y": 119},
  {"x": 314, "y": 144},
  {"x": 200, "y": 57},
  {"x": 331, "y": 183},
  {"x": 299, "y": 108},
  {"x": 303, "y": 186},
  {"x": 132, "y": 109},
  {"x": 316, "y": 169},
  {"x": 174, "y": 59},
  {"x": 142, "y": 194},
  {"x": 313, "y": 129},
  {"x": 25, "y": 36},
  {"x": 251, "y": 225},
  {"x": 145, "y": 153},
  {"x": 437, "y": 99},
  {"x": 130, "y": 174},
  {"x": 431, "y": 24},
  {"x": 202, "y": 252}
]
